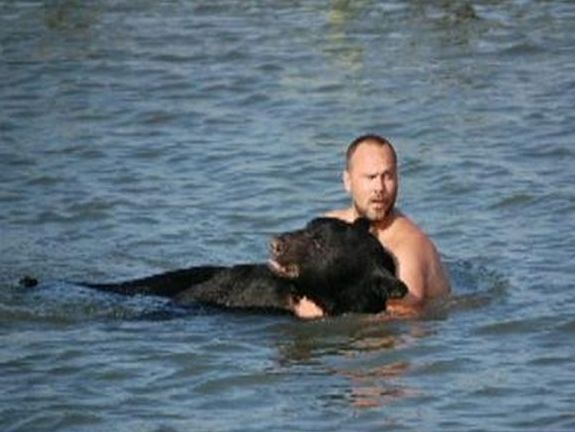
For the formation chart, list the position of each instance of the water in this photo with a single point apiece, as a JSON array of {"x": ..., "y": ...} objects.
[{"x": 138, "y": 137}]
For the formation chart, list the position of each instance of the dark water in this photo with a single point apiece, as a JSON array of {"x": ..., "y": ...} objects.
[{"x": 138, "y": 137}]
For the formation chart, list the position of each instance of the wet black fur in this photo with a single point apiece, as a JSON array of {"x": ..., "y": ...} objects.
[{"x": 342, "y": 268}]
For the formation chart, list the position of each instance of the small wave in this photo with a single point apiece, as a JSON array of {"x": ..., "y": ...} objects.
[
  {"x": 64, "y": 302},
  {"x": 567, "y": 327},
  {"x": 515, "y": 200},
  {"x": 474, "y": 286}
]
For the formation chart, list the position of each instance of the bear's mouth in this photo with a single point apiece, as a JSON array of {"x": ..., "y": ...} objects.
[{"x": 288, "y": 271}]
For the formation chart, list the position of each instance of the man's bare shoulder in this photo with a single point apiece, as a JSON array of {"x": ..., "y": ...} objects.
[
  {"x": 417, "y": 250},
  {"x": 403, "y": 228},
  {"x": 409, "y": 239}
]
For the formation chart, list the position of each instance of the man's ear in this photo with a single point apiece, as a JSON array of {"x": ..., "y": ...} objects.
[{"x": 346, "y": 181}]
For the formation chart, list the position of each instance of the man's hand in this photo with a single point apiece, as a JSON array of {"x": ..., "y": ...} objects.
[
  {"x": 402, "y": 309},
  {"x": 306, "y": 309}
]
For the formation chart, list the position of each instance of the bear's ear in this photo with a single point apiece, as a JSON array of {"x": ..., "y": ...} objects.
[
  {"x": 363, "y": 224},
  {"x": 392, "y": 286}
]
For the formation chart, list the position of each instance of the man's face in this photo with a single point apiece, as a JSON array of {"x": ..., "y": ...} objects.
[{"x": 372, "y": 180}]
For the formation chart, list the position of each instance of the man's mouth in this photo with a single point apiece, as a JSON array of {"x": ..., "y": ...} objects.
[
  {"x": 378, "y": 202},
  {"x": 289, "y": 271}
]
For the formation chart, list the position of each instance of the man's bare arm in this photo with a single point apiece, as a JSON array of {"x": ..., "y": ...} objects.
[{"x": 412, "y": 270}]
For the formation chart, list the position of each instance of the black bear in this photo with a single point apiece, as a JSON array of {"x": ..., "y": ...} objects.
[{"x": 339, "y": 266}]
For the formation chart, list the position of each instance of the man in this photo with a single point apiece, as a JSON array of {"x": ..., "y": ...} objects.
[{"x": 371, "y": 178}]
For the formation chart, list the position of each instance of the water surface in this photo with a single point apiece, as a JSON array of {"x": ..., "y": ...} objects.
[{"x": 139, "y": 137}]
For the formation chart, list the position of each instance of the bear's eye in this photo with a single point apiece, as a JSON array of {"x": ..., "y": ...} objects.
[{"x": 316, "y": 242}]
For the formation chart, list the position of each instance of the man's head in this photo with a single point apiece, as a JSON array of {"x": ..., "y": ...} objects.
[{"x": 371, "y": 176}]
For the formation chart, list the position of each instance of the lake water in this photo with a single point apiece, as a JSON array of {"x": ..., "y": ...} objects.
[{"x": 144, "y": 136}]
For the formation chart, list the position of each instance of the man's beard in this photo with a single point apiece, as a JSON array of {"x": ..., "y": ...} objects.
[{"x": 378, "y": 213}]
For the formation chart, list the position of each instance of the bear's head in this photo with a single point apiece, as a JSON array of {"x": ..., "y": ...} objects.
[{"x": 340, "y": 266}]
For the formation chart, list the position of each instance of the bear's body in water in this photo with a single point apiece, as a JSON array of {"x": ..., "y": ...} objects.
[{"x": 339, "y": 266}]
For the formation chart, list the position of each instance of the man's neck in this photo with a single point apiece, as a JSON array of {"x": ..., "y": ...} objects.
[{"x": 383, "y": 224}]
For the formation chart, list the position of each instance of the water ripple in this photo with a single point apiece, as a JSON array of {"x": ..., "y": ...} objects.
[{"x": 139, "y": 137}]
